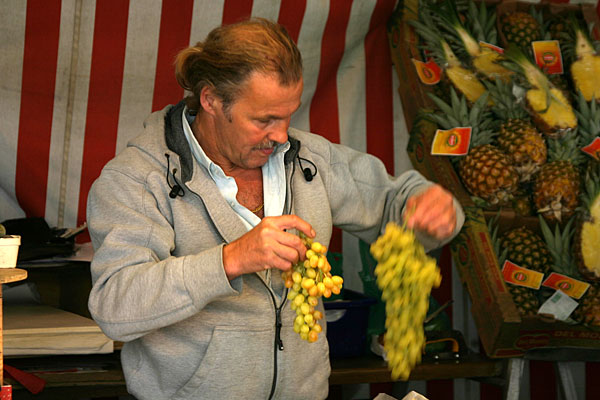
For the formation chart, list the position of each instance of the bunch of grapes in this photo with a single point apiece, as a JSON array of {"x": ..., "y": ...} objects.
[
  {"x": 307, "y": 281},
  {"x": 405, "y": 275}
]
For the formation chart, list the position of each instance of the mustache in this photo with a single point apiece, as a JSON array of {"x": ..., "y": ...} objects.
[{"x": 268, "y": 145}]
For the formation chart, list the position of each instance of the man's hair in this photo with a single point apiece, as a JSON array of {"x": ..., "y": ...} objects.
[{"x": 231, "y": 53}]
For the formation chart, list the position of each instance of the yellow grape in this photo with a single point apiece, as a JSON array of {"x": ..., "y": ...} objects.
[{"x": 308, "y": 280}]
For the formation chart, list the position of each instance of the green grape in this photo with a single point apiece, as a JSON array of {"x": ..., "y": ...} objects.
[{"x": 405, "y": 275}]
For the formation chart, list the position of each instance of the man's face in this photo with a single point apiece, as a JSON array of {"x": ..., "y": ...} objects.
[{"x": 256, "y": 121}]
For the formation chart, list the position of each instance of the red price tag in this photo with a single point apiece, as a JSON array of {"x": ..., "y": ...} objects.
[
  {"x": 593, "y": 149},
  {"x": 548, "y": 56},
  {"x": 521, "y": 276}
]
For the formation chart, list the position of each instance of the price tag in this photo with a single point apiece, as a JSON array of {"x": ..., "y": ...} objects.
[
  {"x": 548, "y": 56},
  {"x": 451, "y": 142},
  {"x": 521, "y": 276},
  {"x": 568, "y": 285},
  {"x": 429, "y": 72},
  {"x": 593, "y": 149}
]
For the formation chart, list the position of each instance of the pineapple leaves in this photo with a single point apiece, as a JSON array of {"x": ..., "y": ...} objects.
[
  {"x": 476, "y": 110},
  {"x": 559, "y": 245},
  {"x": 588, "y": 118},
  {"x": 492, "y": 225},
  {"x": 449, "y": 121}
]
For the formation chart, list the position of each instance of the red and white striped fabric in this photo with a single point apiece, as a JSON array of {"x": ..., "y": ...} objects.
[{"x": 78, "y": 77}]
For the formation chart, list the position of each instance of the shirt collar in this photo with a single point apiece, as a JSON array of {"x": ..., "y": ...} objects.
[{"x": 215, "y": 171}]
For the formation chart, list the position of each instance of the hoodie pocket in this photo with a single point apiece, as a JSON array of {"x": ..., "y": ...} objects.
[{"x": 238, "y": 364}]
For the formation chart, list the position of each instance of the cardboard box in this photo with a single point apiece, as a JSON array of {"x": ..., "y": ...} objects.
[{"x": 502, "y": 331}]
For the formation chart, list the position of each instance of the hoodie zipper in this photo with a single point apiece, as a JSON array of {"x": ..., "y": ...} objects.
[{"x": 278, "y": 343}]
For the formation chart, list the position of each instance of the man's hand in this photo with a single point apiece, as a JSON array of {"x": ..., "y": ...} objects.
[
  {"x": 431, "y": 211},
  {"x": 267, "y": 246}
]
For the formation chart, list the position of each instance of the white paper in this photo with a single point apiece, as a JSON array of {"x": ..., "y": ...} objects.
[
  {"x": 560, "y": 305},
  {"x": 412, "y": 395}
]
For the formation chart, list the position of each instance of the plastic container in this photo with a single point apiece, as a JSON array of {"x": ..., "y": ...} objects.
[
  {"x": 347, "y": 321},
  {"x": 377, "y": 315},
  {"x": 9, "y": 249}
]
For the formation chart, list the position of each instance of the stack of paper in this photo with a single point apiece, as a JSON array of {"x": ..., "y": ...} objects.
[{"x": 33, "y": 329}]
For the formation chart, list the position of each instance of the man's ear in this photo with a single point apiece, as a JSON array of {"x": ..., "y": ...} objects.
[{"x": 208, "y": 100}]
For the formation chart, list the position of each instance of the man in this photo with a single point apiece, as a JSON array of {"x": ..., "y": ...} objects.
[{"x": 195, "y": 220}]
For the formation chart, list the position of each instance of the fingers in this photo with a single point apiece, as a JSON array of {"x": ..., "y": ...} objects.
[
  {"x": 432, "y": 212},
  {"x": 276, "y": 227},
  {"x": 285, "y": 222},
  {"x": 267, "y": 246}
]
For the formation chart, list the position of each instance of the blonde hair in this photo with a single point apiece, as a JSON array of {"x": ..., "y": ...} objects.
[{"x": 231, "y": 53}]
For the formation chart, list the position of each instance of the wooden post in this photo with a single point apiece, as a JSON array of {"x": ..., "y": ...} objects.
[{"x": 7, "y": 275}]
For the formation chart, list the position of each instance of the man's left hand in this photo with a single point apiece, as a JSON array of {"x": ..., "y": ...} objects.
[{"x": 431, "y": 211}]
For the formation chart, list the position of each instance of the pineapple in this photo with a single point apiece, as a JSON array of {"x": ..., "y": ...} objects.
[
  {"x": 588, "y": 312},
  {"x": 557, "y": 28},
  {"x": 517, "y": 135},
  {"x": 585, "y": 70},
  {"x": 485, "y": 60},
  {"x": 522, "y": 203},
  {"x": 557, "y": 185},
  {"x": 520, "y": 28},
  {"x": 586, "y": 243},
  {"x": 524, "y": 298},
  {"x": 559, "y": 246},
  {"x": 550, "y": 109},
  {"x": 526, "y": 248},
  {"x": 486, "y": 171},
  {"x": 461, "y": 77}
]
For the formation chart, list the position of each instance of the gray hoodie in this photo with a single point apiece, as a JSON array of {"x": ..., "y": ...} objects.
[{"x": 158, "y": 279}]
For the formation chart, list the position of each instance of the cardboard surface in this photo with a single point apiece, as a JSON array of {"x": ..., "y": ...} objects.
[{"x": 33, "y": 329}]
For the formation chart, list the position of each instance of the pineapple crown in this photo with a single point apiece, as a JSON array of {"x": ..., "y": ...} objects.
[
  {"x": 446, "y": 15},
  {"x": 559, "y": 246},
  {"x": 539, "y": 17},
  {"x": 433, "y": 42},
  {"x": 591, "y": 189},
  {"x": 430, "y": 36},
  {"x": 481, "y": 22},
  {"x": 530, "y": 74},
  {"x": 492, "y": 225},
  {"x": 566, "y": 148},
  {"x": 505, "y": 104},
  {"x": 577, "y": 38},
  {"x": 588, "y": 119},
  {"x": 457, "y": 113},
  {"x": 465, "y": 34}
]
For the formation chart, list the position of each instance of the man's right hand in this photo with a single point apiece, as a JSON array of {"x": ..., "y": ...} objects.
[{"x": 267, "y": 246}]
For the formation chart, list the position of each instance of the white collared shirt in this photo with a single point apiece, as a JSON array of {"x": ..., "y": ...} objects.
[{"x": 273, "y": 173}]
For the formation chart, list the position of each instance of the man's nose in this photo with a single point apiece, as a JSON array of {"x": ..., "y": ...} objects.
[{"x": 279, "y": 132}]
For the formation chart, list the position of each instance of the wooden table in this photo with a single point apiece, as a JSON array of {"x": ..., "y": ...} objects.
[
  {"x": 100, "y": 375},
  {"x": 372, "y": 369},
  {"x": 7, "y": 275}
]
